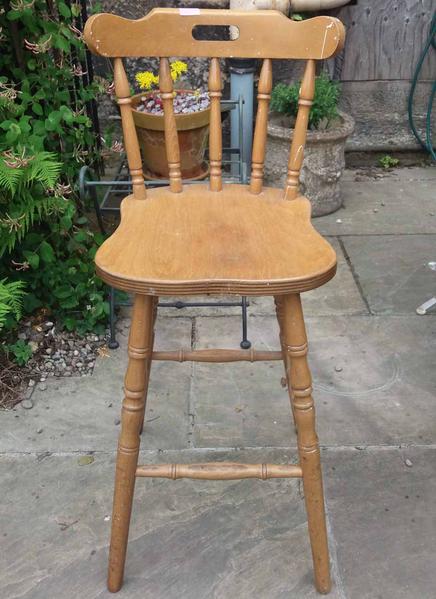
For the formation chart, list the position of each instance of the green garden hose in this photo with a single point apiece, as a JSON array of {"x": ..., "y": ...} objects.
[{"x": 428, "y": 143}]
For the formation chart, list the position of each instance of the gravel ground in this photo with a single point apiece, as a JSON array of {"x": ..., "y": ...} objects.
[{"x": 56, "y": 353}]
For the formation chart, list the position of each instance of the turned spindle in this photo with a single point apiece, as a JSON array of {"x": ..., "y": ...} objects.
[
  {"x": 259, "y": 141},
  {"x": 296, "y": 155},
  {"x": 122, "y": 91},
  {"x": 171, "y": 137},
  {"x": 215, "y": 137}
]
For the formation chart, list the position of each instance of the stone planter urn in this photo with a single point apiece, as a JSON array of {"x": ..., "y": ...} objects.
[
  {"x": 323, "y": 163},
  {"x": 193, "y": 132}
]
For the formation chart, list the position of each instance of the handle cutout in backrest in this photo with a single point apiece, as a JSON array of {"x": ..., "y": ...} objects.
[{"x": 212, "y": 33}]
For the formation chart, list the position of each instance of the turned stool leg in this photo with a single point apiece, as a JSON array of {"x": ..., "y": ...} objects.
[
  {"x": 278, "y": 300},
  {"x": 128, "y": 446},
  {"x": 150, "y": 345},
  {"x": 298, "y": 373}
]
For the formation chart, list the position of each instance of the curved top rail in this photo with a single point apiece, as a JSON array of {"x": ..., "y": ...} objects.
[{"x": 166, "y": 32}]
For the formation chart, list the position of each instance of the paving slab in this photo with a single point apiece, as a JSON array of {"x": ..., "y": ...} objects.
[
  {"x": 403, "y": 202},
  {"x": 82, "y": 413},
  {"x": 197, "y": 539},
  {"x": 393, "y": 271},
  {"x": 374, "y": 382},
  {"x": 383, "y": 517},
  {"x": 188, "y": 539}
]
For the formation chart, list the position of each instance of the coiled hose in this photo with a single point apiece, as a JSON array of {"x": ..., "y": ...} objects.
[{"x": 428, "y": 143}]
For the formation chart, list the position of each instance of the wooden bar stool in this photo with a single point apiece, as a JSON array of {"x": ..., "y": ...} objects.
[{"x": 216, "y": 238}]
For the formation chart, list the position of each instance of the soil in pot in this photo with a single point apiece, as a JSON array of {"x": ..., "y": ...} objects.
[{"x": 192, "y": 114}]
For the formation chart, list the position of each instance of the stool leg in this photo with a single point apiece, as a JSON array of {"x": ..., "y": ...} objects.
[
  {"x": 128, "y": 446},
  {"x": 295, "y": 347},
  {"x": 151, "y": 345},
  {"x": 278, "y": 300}
]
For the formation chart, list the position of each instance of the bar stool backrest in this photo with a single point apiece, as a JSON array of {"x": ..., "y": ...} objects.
[{"x": 167, "y": 32}]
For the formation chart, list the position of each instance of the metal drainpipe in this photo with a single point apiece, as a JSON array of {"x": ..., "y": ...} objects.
[{"x": 242, "y": 84}]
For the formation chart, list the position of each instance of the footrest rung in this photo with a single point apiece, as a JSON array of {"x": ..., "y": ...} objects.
[
  {"x": 220, "y": 471},
  {"x": 218, "y": 355}
]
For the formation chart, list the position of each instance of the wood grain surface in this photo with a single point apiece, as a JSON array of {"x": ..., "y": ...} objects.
[{"x": 207, "y": 242}]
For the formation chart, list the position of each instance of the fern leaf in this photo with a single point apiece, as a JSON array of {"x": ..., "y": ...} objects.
[
  {"x": 9, "y": 177},
  {"x": 11, "y": 299},
  {"x": 44, "y": 168}
]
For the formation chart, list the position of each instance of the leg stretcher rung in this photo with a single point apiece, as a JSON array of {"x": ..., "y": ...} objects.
[
  {"x": 218, "y": 355},
  {"x": 220, "y": 471}
]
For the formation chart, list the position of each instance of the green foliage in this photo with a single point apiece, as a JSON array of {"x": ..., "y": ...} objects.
[
  {"x": 45, "y": 137},
  {"x": 25, "y": 199},
  {"x": 21, "y": 351},
  {"x": 11, "y": 302},
  {"x": 61, "y": 277},
  {"x": 387, "y": 161},
  {"x": 20, "y": 172},
  {"x": 284, "y": 99}
]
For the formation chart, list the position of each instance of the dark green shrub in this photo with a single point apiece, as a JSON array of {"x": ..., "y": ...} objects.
[
  {"x": 284, "y": 99},
  {"x": 45, "y": 137}
]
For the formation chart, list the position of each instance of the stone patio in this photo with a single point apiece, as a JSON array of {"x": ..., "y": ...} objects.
[{"x": 372, "y": 360}]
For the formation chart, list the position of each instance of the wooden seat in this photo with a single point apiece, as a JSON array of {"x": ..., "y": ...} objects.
[
  {"x": 216, "y": 238},
  {"x": 207, "y": 242}
]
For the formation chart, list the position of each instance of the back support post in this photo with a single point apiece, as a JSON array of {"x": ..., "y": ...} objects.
[
  {"x": 215, "y": 135},
  {"x": 259, "y": 142},
  {"x": 296, "y": 155},
  {"x": 171, "y": 137},
  {"x": 122, "y": 90}
]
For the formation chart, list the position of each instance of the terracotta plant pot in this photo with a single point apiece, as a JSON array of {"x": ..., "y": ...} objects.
[
  {"x": 323, "y": 164},
  {"x": 193, "y": 130}
]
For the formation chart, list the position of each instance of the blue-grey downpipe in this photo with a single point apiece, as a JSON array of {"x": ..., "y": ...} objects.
[{"x": 242, "y": 84}]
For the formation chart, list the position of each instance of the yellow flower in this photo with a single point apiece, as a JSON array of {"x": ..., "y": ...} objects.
[
  {"x": 178, "y": 67},
  {"x": 146, "y": 80}
]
